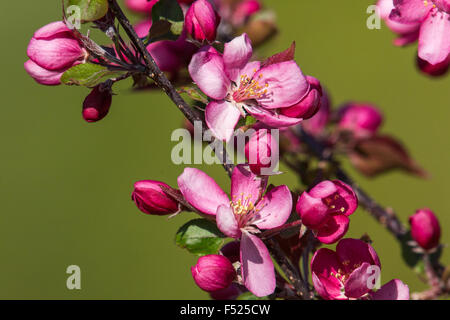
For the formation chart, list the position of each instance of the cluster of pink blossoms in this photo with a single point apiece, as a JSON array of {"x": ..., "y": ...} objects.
[
  {"x": 276, "y": 94},
  {"x": 426, "y": 21}
]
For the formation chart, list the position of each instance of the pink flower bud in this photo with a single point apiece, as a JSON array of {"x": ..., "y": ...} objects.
[
  {"x": 52, "y": 50},
  {"x": 213, "y": 272},
  {"x": 202, "y": 21},
  {"x": 97, "y": 103},
  {"x": 261, "y": 152},
  {"x": 344, "y": 273},
  {"x": 425, "y": 229},
  {"x": 326, "y": 207},
  {"x": 309, "y": 105},
  {"x": 363, "y": 120},
  {"x": 151, "y": 199}
]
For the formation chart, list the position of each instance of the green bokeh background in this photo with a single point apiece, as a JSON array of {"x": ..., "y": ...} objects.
[{"x": 65, "y": 185}]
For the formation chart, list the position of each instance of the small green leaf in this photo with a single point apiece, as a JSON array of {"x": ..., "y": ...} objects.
[
  {"x": 87, "y": 75},
  {"x": 91, "y": 10},
  {"x": 194, "y": 94},
  {"x": 249, "y": 120},
  {"x": 200, "y": 237},
  {"x": 250, "y": 296},
  {"x": 170, "y": 12}
]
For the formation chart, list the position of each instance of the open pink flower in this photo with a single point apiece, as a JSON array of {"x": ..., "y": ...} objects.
[
  {"x": 434, "y": 19},
  {"x": 238, "y": 86},
  {"x": 52, "y": 50},
  {"x": 326, "y": 208},
  {"x": 242, "y": 217},
  {"x": 346, "y": 273}
]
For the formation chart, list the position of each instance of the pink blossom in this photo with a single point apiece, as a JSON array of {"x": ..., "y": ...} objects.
[
  {"x": 52, "y": 50},
  {"x": 141, "y": 6},
  {"x": 96, "y": 105},
  {"x": 326, "y": 208},
  {"x": 151, "y": 199},
  {"x": 363, "y": 120},
  {"x": 345, "y": 273},
  {"x": 213, "y": 272},
  {"x": 202, "y": 21},
  {"x": 238, "y": 86},
  {"x": 407, "y": 32},
  {"x": 434, "y": 19},
  {"x": 242, "y": 217},
  {"x": 425, "y": 229}
]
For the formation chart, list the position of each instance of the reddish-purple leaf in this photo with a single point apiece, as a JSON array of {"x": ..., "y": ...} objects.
[{"x": 286, "y": 55}]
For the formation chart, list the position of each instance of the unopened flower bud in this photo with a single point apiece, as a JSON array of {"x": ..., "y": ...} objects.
[
  {"x": 141, "y": 6},
  {"x": 151, "y": 199},
  {"x": 435, "y": 70},
  {"x": 213, "y": 272},
  {"x": 363, "y": 120},
  {"x": 261, "y": 152},
  {"x": 425, "y": 229},
  {"x": 97, "y": 103},
  {"x": 202, "y": 21}
]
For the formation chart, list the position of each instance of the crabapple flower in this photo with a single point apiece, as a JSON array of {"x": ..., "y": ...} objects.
[
  {"x": 344, "y": 273},
  {"x": 363, "y": 120},
  {"x": 242, "y": 217},
  {"x": 326, "y": 208},
  {"x": 52, "y": 50},
  {"x": 434, "y": 19},
  {"x": 407, "y": 32},
  {"x": 213, "y": 272},
  {"x": 151, "y": 199},
  {"x": 261, "y": 151},
  {"x": 202, "y": 21},
  {"x": 97, "y": 103},
  {"x": 238, "y": 86},
  {"x": 425, "y": 229}
]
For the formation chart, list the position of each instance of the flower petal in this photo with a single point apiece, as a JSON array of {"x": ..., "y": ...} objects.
[
  {"x": 434, "y": 37},
  {"x": 208, "y": 72},
  {"x": 50, "y": 30},
  {"x": 275, "y": 208},
  {"x": 324, "y": 264},
  {"x": 201, "y": 191},
  {"x": 272, "y": 119},
  {"x": 355, "y": 252},
  {"x": 226, "y": 222},
  {"x": 286, "y": 84},
  {"x": 333, "y": 229},
  {"x": 54, "y": 54},
  {"x": 312, "y": 211},
  {"x": 393, "y": 290},
  {"x": 258, "y": 272},
  {"x": 350, "y": 198},
  {"x": 43, "y": 76},
  {"x": 246, "y": 186},
  {"x": 357, "y": 283},
  {"x": 410, "y": 11},
  {"x": 221, "y": 118},
  {"x": 236, "y": 55}
]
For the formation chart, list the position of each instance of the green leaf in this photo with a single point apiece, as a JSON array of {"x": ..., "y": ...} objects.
[
  {"x": 91, "y": 10},
  {"x": 194, "y": 94},
  {"x": 200, "y": 237},
  {"x": 250, "y": 296},
  {"x": 169, "y": 12},
  {"x": 87, "y": 75},
  {"x": 249, "y": 120}
]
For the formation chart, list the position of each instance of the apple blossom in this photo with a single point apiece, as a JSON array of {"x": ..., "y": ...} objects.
[
  {"x": 202, "y": 21},
  {"x": 425, "y": 229},
  {"x": 213, "y": 272},
  {"x": 325, "y": 209},
  {"x": 52, "y": 50},
  {"x": 242, "y": 217},
  {"x": 151, "y": 199},
  {"x": 237, "y": 87}
]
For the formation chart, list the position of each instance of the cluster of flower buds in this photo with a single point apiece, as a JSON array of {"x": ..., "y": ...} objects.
[{"x": 425, "y": 21}]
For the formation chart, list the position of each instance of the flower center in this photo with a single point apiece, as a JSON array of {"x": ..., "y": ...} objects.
[
  {"x": 443, "y": 5},
  {"x": 244, "y": 210},
  {"x": 335, "y": 203},
  {"x": 250, "y": 89},
  {"x": 341, "y": 274}
]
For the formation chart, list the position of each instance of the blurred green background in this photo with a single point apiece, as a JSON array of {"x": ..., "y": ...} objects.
[{"x": 65, "y": 184}]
